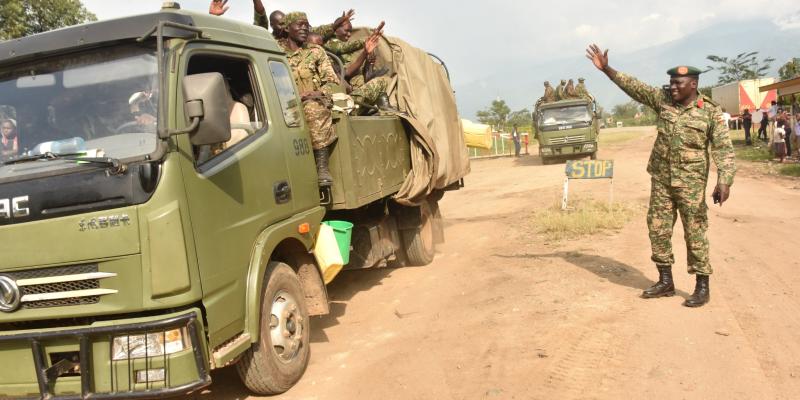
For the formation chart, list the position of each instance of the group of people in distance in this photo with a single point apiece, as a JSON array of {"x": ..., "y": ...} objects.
[
  {"x": 315, "y": 75},
  {"x": 778, "y": 126},
  {"x": 565, "y": 90}
]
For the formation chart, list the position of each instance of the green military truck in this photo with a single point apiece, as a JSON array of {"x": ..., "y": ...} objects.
[
  {"x": 150, "y": 232},
  {"x": 567, "y": 129}
]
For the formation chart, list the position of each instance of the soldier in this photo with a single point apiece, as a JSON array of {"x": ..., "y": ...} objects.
[
  {"x": 316, "y": 80},
  {"x": 581, "y": 90},
  {"x": 276, "y": 17},
  {"x": 359, "y": 59},
  {"x": 690, "y": 127},
  {"x": 560, "y": 90},
  {"x": 570, "y": 90},
  {"x": 549, "y": 93}
]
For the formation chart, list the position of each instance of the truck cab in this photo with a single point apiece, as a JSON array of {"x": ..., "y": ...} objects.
[{"x": 567, "y": 129}]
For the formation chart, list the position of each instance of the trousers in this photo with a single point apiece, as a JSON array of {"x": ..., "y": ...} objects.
[{"x": 666, "y": 203}]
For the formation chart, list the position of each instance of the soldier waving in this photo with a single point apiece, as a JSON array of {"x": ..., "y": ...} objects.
[{"x": 690, "y": 127}]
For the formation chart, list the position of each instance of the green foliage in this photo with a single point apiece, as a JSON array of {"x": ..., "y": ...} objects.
[
  {"x": 20, "y": 18},
  {"x": 790, "y": 170},
  {"x": 706, "y": 90},
  {"x": 495, "y": 115},
  {"x": 743, "y": 66},
  {"x": 520, "y": 118},
  {"x": 625, "y": 111},
  {"x": 790, "y": 70}
]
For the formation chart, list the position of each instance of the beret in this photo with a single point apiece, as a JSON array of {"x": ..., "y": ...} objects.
[{"x": 684, "y": 71}]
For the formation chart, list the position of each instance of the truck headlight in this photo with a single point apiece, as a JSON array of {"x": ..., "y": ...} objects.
[
  {"x": 588, "y": 147},
  {"x": 148, "y": 345}
]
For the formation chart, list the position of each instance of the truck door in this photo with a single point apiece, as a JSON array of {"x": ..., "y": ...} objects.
[{"x": 234, "y": 190}]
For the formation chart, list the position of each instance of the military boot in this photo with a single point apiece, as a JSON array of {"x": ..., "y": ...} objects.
[
  {"x": 665, "y": 287},
  {"x": 383, "y": 103},
  {"x": 701, "y": 295},
  {"x": 321, "y": 156}
]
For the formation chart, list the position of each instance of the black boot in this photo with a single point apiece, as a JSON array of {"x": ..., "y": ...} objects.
[
  {"x": 701, "y": 295},
  {"x": 383, "y": 103},
  {"x": 664, "y": 287},
  {"x": 321, "y": 157}
]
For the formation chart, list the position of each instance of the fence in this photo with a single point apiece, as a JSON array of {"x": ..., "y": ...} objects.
[{"x": 502, "y": 145}]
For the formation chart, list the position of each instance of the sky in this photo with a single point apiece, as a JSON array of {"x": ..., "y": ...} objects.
[{"x": 481, "y": 38}]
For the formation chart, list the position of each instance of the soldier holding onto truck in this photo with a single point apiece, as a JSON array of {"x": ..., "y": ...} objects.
[
  {"x": 316, "y": 80},
  {"x": 690, "y": 127}
]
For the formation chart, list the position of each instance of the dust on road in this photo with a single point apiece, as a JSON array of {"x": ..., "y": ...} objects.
[{"x": 503, "y": 313}]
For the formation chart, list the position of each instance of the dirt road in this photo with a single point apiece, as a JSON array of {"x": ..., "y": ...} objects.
[{"x": 502, "y": 313}]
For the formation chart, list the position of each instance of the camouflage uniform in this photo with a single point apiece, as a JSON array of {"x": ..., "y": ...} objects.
[
  {"x": 312, "y": 71},
  {"x": 582, "y": 92},
  {"x": 549, "y": 94},
  {"x": 679, "y": 166},
  {"x": 560, "y": 90},
  {"x": 364, "y": 92},
  {"x": 326, "y": 31}
]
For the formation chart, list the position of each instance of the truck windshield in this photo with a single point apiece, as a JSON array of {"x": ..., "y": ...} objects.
[
  {"x": 566, "y": 115},
  {"x": 99, "y": 103}
]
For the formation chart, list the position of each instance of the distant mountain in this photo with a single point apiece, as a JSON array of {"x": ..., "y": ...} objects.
[{"x": 521, "y": 86}]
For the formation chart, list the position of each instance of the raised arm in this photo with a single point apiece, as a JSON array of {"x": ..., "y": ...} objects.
[
  {"x": 260, "y": 17},
  {"x": 329, "y": 31},
  {"x": 643, "y": 93}
]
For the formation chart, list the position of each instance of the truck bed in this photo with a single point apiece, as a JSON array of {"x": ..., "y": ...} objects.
[{"x": 370, "y": 160}]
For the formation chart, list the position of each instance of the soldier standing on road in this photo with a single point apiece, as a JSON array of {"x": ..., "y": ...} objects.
[{"x": 690, "y": 127}]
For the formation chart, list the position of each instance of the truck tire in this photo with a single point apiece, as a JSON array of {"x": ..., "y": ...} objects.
[
  {"x": 593, "y": 156},
  {"x": 419, "y": 243},
  {"x": 280, "y": 357}
]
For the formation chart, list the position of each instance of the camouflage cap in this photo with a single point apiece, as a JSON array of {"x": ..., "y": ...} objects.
[
  {"x": 684, "y": 71},
  {"x": 293, "y": 17}
]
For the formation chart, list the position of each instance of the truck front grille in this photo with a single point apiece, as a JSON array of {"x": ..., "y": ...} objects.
[
  {"x": 61, "y": 286},
  {"x": 567, "y": 139}
]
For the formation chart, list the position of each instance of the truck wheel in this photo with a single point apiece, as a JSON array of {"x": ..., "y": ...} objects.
[
  {"x": 419, "y": 242},
  {"x": 593, "y": 156},
  {"x": 280, "y": 357}
]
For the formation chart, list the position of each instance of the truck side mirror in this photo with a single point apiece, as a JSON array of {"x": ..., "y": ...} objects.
[{"x": 206, "y": 105}]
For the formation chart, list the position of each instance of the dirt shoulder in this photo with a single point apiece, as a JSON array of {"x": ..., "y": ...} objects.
[{"x": 504, "y": 313}]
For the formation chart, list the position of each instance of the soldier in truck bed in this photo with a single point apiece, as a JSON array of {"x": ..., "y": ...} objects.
[
  {"x": 690, "y": 127},
  {"x": 317, "y": 81},
  {"x": 260, "y": 18}
]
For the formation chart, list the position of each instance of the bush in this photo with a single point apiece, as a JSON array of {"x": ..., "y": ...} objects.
[{"x": 585, "y": 217}]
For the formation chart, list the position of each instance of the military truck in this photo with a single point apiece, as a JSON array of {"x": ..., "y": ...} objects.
[
  {"x": 567, "y": 129},
  {"x": 150, "y": 232}
]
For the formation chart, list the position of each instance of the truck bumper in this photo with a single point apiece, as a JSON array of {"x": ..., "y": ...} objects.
[
  {"x": 570, "y": 149},
  {"x": 76, "y": 363}
]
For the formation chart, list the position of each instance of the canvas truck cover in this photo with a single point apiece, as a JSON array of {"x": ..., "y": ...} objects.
[{"x": 421, "y": 90}]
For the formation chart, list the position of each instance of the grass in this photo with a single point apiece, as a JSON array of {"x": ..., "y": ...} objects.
[
  {"x": 790, "y": 170},
  {"x": 760, "y": 152},
  {"x": 585, "y": 217},
  {"x": 619, "y": 137}
]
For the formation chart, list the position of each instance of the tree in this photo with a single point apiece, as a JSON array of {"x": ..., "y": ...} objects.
[
  {"x": 495, "y": 115},
  {"x": 790, "y": 70},
  {"x": 627, "y": 110},
  {"x": 520, "y": 118},
  {"x": 743, "y": 66},
  {"x": 20, "y": 18}
]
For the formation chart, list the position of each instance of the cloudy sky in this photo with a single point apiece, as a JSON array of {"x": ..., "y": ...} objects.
[{"x": 480, "y": 38}]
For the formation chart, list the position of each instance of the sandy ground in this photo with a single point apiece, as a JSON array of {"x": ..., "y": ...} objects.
[{"x": 502, "y": 313}]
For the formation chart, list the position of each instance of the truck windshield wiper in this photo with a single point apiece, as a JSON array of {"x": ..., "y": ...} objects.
[{"x": 114, "y": 163}]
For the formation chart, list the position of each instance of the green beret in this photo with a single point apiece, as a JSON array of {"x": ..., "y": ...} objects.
[
  {"x": 293, "y": 17},
  {"x": 684, "y": 71}
]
